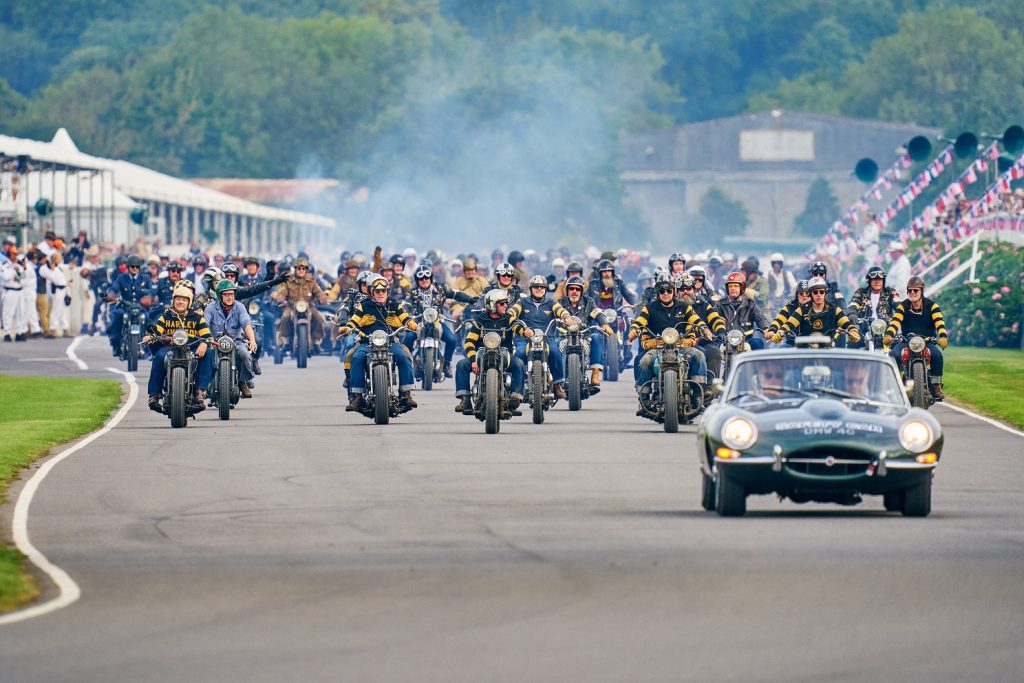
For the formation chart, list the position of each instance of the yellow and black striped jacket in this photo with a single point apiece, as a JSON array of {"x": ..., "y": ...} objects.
[
  {"x": 368, "y": 316},
  {"x": 805, "y": 320},
  {"x": 482, "y": 323},
  {"x": 192, "y": 322},
  {"x": 709, "y": 315},
  {"x": 783, "y": 315},
  {"x": 927, "y": 322},
  {"x": 654, "y": 318}
]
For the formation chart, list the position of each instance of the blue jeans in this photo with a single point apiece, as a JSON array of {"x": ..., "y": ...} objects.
[
  {"x": 357, "y": 376},
  {"x": 465, "y": 368},
  {"x": 698, "y": 366},
  {"x": 934, "y": 368},
  {"x": 157, "y": 371},
  {"x": 598, "y": 343},
  {"x": 555, "y": 361}
]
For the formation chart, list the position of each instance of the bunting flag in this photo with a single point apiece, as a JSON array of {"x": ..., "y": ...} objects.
[{"x": 918, "y": 185}]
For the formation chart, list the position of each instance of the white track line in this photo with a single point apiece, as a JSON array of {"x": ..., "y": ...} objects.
[
  {"x": 69, "y": 590},
  {"x": 71, "y": 353},
  {"x": 976, "y": 416}
]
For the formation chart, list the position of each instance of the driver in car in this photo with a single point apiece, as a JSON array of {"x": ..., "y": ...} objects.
[{"x": 769, "y": 374}]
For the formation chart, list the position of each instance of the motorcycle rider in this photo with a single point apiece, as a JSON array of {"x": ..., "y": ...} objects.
[
  {"x": 164, "y": 288},
  {"x": 199, "y": 264},
  {"x": 505, "y": 279},
  {"x": 180, "y": 316},
  {"x": 224, "y": 316},
  {"x": 609, "y": 292},
  {"x": 578, "y": 304},
  {"x": 498, "y": 315},
  {"x": 701, "y": 292},
  {"x": 818, "y": 317},
  {"x": 740, "y": 312},
  {"x": 716, "y": 275},
  {"x": 572, "y": 269},
  {"x": 299, "y": 286},
  {"x": 833, "y": 296},
  {"x": 538, "y": 310},
  {"x": 874, "y": 301},
  {"x": 757, "y": 286},
  {"x": 677, "y": 264},
  {"x": 379, "y": 312},
  {"x": 919, "y": 315},
  {"x": 426, "y": 293},
  {"x": 132, "y": 286},
  {"x": 470, "y": 282},
  {"x": 400, "y": 284},
  {"x": 781, "y": 283},
  {"x": 654, "y": 319},
  {"x": 802, "y": 298},
  {"x": 686, "y": 292}
]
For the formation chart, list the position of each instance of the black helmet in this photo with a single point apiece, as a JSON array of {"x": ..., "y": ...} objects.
[
  {"x": 396, "y": 259},
  {"x": 674, "y": 258},
  {"x": 344, "y": 256},
  {"x": 250, "y": 260},
  {"x": 229, "y": 268},
  {"x": 875, "y": 272},
  {"x": 575, "y": 281},
  {"x": 574, "y": 267},
  {"x": 515, "y": 257},
  {"x": 803, "y": 286},
  {"x": 603, "y": 265},
  {"x": 174, "y": 265},
  {"x": 817, "y": 269},
  {"x": 665, "y": 284},
  {"x": 424, "y": 272},
  {"x": 133, "y": 261},
  {"x": 199, "y": 260}
]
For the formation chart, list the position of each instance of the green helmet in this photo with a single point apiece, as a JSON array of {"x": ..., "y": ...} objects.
[{"x": 225, "y": 285}]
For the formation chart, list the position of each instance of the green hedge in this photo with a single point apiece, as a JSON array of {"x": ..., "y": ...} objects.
[{"x": 987, "y": 313}]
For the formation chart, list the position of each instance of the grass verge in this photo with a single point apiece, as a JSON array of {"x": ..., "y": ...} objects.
[
  {"x": 38, "y": 413},
  {"x": 990, "y": 381}
]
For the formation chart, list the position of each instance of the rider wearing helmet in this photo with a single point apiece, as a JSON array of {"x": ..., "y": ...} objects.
[
  {"x": 299, "y": 286},
  {"x": 427, "y": 293},
  {"x": 572, "y": 268},
  {"x": 505, "y": 276},
  {"x": 655, "y": 318},
  {"x": 818, "y": 317},
  {"x": 401, "y": 280},
  {"x": 781, "y": 283},
  {"x": 832, "y": 295},
  {"x": 876, "y": 300},
  {"x": 538, "y": 311},
  {"x": 801, "y": 298},
  {"x": 609, "y": 292},
  {"x": 677, "y": 263},
  {"x": 740, "y": 312},
  {"x": 180, "y": 315},
  {"x": 579, "y": 305},
  {"x": 132, "y": 286},
  {"x": 470, "y": 283},
  {"x": 919, "y": 315},
  {"x": 498, "y": 316},
  {"x": 226, "y": 316},
  {"x": 378, "y": 312},
  {"x": 686, "y": 292}
]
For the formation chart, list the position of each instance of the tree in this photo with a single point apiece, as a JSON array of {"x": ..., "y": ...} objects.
[
  {"x": 721, "y": 214},
  {"x": 820, "y": 211}
]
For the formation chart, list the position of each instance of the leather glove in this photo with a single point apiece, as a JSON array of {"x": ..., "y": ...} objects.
[
  {"x": 887, "y": 340},
  {"x": 687, "y": 342},
  {"x": 854, "y": 334},
  {"x": 631, "y": 336},
  {"x": 650, "y": 344},
  {"x": 271, "y": 266},
  {"x": 777, "y": 338},
  {"x": 609, "y": 331},
  {"x": 344, "y": 331},
  {"x": 412, "y": 325},
  {"x": 942, "y": 342}
]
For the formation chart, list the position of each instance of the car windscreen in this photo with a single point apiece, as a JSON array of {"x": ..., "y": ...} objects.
[{"x": 775, "y": 378}]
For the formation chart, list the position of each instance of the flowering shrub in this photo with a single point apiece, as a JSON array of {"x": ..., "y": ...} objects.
[{"x": 988, "y": 312}]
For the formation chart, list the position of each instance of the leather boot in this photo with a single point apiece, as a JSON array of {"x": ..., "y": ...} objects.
[
  {"x": 405, "y": 399},
  {"x": 595, "y": 380},
  {"x": 246, "y": 392},
  {"x": 559, "y": 390},
  {"x": 154, "y": 403},
  {"x": 465, "y": 406},
  {"x": 937, "y": 392},
  {"x": 355, "y": 404}
]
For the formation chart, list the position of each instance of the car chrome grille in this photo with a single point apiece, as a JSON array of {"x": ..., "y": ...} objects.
[{"x": 833, "y": 463}]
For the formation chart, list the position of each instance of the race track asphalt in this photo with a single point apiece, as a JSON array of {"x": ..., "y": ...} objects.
[{"x": 298, "y": 542}]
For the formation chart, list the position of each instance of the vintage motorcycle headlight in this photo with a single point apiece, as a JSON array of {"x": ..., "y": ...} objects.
[
  {"x": 430, "y": 315},
  {"x": 916, "y": 436},
  {"x": 254, "y": 308},
  {"x": 878, "y": 327},
  {"x": 574, "y": 324},
  {"x": 916, "y": 344},
  {"x": 226, "y": 343},
  {"x": 492, "y": 340},
  {"x": 301, "y": 306},
  {"x": 739, "y": 433},
  {"x": 379, "y": 338},
  {"x": 735, "y": 338},
  {"x": 179, "y": 338},
  {"x": 670, "y": 336},
  {"x": 538, "y": 336}
]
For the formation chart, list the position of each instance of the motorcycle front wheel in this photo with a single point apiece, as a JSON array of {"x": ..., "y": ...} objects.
[
  {"x": 492, "y": 401},
  {"x": 611, "y": 359},
  {"x": 670, "y": 395},
  {"x": 427, "y": 367},
  {"x": 177, "y": 390},
  {"x": 381, "y": 383},
  {"x": 132, "y": 352},
  {"x": 301, "y": 345},
  {"x": 224, "y": 389},
  {"x": 920, "y": 395},
  {"x": 573, "y": 381},
  {"x": 537, "y": 392}
]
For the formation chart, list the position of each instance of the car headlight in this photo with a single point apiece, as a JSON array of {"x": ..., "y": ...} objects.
[
  {"x": 226, "y": 343},
  {"x": 916, "y": 344},
  {"x": 379, "y": 338},
  {"x": 739, "y": 433},
  {"x": 301, "y": 306},
  {"x": 670, "y": 336},
  {"x": 735, "y": 337},
  {"x": 574, "y": 324},
  {"x": 492, "y": 340},
  {"x": 179, "y": 338},
  {"x": 430, "y": 315},
  {"x": 878, "y": 327},
  {"x": 916, "y": 436},
  {"x": 254, "y": 308}
]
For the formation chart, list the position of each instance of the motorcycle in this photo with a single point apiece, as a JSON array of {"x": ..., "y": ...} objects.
[
  {"x": 299, "y": 345},
  {"x": 492, "y": 386},
  {"x": 671, "y": 397},
  {"x": 427, "y": 358},
  {"x": 735, "y": 343},
  {"x": 381, "y": 398},
  {"x": 575, "y": 345},
  {"x": 619, "y": 321},
  {"x": 224, "y": 390},
  {"x": 539, "y": 393},
  {"x": 133, "y": 316},
  {"x": 180, "y": 380},
  {"x": 915, "y": 362},
  {"x": 873, "y": 334}
]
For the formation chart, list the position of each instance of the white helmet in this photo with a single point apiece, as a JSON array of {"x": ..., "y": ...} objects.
[
  {"x": 212, "y": 276},
  {"x": 558, "y": 262},
  {"x": 493, "y": 297},
  {"x": 776, "y": 258}
]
